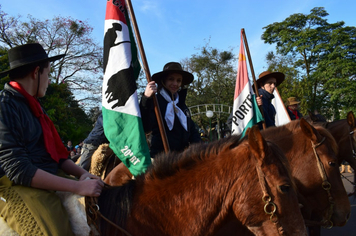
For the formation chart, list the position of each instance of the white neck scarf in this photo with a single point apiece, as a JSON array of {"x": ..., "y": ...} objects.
[{"x": 173, "y": 109}]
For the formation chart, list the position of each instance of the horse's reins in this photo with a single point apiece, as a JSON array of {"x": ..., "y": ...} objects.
[
  {"x": 327, "y": 223},
  {"x": 94, "y": 211},
  {"x": 267, "y": 199},
  {"x": 352, "y": 145},
  {"x": 354, "y": 156}
]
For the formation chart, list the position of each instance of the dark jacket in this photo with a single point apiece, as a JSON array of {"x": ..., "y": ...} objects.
[
  {"x": 97, "y": 137},
  {"x": 292, "y": 116},
  {"x": 269, "y": 112},
  {"x": 22, "y": 148},
  {"x": 178, "y": 137}
]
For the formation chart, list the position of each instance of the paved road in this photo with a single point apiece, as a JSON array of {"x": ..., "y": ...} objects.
[{"x": 350, "y": 228}]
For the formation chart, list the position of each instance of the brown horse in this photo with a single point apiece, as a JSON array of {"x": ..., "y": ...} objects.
[
  {"x": 344, "y": 132},
  {"x": 197, "y": 191},
  {"x": 311, "y": 153}
]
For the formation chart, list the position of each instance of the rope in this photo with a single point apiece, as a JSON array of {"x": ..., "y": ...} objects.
[{"x": 325, "y": 184}]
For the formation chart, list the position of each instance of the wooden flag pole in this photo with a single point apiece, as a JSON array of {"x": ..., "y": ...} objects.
[
  {"x": 148, "y": 76},
  {"x": 252, "y": 72}
]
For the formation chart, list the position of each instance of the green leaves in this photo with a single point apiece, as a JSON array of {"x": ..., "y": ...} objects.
[{"x": 324, "y": 56}]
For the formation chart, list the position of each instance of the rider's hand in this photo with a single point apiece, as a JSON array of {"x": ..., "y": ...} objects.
[{"x": 151, "y": 89}]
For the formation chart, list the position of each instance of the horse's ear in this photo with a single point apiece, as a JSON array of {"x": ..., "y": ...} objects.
[
  {"x": 351, "y": 119},
  {"x": 258, "y": 145},
  {"x": 308, "y": 130}
]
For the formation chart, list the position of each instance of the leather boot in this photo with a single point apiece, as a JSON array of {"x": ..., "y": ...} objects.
[
  {"x": 342, "y": 169},
  {"x": 349, "y": 169}
]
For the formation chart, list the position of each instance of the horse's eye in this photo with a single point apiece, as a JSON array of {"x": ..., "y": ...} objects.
[
  {"x": 332, "y": 163},
  {"x": 284, "y": 188}
]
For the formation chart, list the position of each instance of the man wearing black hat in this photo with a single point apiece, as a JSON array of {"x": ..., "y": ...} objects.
[
  {"x": 32, "y": 153},
  {"x": 180, "y": 128},
  {"x": 267, "y": 82}
]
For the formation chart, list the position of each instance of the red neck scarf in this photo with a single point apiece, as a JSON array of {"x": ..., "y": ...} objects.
[
  {"x": 53, "y": 143},
  {"x": 295, "y": 113}
]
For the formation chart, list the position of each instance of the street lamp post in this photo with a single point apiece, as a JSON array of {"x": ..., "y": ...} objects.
[{"x": 209, "y": 114}]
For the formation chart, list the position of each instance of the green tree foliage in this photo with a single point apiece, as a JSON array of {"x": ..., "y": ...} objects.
[
  {"x": 324, "y": 56},
  {"x": 291, "y": 87},
  {"x": 4, "y": 65},
  {"x": 77, "y": 73},
  {"x": 70, "y": 120},
  {"x": 214, "y": 83},
  {"x": 80, "y": 68}
]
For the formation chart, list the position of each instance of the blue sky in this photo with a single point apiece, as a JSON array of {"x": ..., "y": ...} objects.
[{"x": 172, "y": 30}]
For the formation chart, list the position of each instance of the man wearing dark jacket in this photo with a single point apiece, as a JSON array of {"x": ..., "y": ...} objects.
[
  {"x": 267, "y": 82},
  {"x": 32, "y": 153},
  {"x": 292, "y": 108},
  {"x": 95, "y": 138}
]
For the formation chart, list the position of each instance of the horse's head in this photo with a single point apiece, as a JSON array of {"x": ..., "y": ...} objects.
[
  {"x": 274, "y": 209},
  {"x": 314, "y": 118},
  {"x": 311, "y": 152},
  {"x": 317, "y": 173},
  {"x": 344, "y": 132}
]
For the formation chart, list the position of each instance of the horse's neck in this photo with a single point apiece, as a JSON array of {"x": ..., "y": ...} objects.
[
  {"x": 201, "y": 197},
  {"x": 339, "y": 129}
]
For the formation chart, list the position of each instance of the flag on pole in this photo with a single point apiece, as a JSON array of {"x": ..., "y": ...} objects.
[
  {"x": 282, "y": 116},
  {"x": 245, "y": 109},
  {"x": 121, "y": 114}
]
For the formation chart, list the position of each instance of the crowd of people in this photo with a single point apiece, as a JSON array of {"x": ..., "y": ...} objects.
[{"x": 35, "y": 162}]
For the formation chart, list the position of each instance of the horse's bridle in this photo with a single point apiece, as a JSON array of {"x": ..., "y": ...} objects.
[
  {"x": 352, "y": 144},
  {"x": 327, "y": 223},
  {"x": 267, "y": 199},
  {"x": 93, "y": 212}
]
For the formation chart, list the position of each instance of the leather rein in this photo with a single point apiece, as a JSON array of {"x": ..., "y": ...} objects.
[
  {"x": 93, "y": 214},
  {"x": 270, "y": 207},
  {"x": 326, "y": 223},
  {"x": 352, "y": 145}
]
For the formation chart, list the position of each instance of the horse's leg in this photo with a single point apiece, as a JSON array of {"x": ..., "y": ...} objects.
[{"x": 118, "y": 176}]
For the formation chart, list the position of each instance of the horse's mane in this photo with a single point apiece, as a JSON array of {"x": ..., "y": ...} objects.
[
  {"x": 279, "y": 153},
  {"x": 167, "y": 164},
  {"x": 294, "y": 126},
  {"x": 282, "y": 131},
  {"x": 117, "y": 201}
]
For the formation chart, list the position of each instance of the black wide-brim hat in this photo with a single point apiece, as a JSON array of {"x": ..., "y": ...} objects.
[
  {"x": 28, "y": 54},
  {"x": 279, "y": 76},
  {"x": 173, "y": 67}
]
